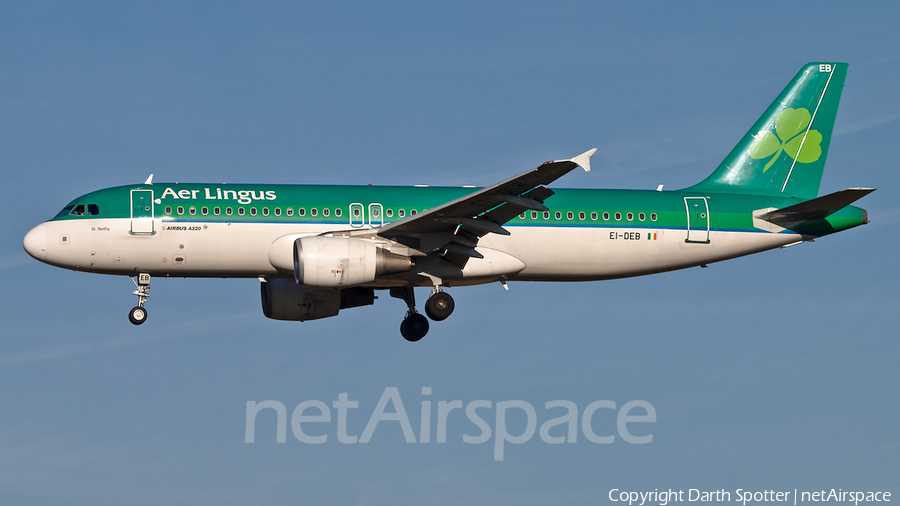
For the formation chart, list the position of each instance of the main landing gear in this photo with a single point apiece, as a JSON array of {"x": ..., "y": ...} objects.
[
  {"x": 413, "y": 327},
  {"x": 438, "y": 307},
  {"x": 138, "y": 314}
]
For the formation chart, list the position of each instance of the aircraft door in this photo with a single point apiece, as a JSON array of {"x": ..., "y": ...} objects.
[
  {"x": 141, "y": 211},
  {"x": 376, "y": 215},
  {"x": 357, "y": 216},
  {"x": 697, "y": 219}
]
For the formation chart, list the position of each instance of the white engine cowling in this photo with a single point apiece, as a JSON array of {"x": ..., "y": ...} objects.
[
  {"x": 282, "y": 299},
  {"x": 321, "y": 261}
]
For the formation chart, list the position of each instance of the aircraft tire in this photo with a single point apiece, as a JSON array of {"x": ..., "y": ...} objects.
[
  {"x": 137, "y": 315},
  {"x": 414, "y": 327},
  {"x": 439, "y": 306}
]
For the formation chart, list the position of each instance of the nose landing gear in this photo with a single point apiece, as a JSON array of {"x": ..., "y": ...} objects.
[{"x": 138, "y": 314}]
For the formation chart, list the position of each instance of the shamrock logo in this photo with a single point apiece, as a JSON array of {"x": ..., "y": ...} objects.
[{"x": 789, "y": 127}]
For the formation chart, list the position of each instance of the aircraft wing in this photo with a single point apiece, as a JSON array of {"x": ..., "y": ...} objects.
[{"x": 456, "y": 226}]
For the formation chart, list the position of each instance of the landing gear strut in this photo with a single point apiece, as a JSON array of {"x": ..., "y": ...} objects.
[
  {"x": 414, "y": 326},
  {"x": 138, "y": 314}
]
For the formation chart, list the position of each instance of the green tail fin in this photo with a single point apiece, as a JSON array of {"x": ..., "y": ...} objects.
[{"x": 784, "y": 153}]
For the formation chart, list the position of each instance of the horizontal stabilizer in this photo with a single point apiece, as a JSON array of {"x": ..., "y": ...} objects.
[{"x": 818, "y": 208}]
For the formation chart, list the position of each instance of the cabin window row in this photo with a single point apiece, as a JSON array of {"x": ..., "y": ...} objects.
[
  {"x": 289, "y": 211},
  {"x": 389, "y": 213},
  {"x": 582, "y": 215}
]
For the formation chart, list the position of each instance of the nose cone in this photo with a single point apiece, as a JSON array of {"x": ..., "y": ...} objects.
[{"x": 35, "y": 242}]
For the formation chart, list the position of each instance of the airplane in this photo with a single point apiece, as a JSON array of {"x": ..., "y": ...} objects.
[{"x": 318, "y": 249}]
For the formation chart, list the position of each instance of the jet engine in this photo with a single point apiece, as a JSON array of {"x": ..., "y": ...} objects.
[
  {"x": 322, "y": 261},
  {"x": 282, "y": 299}
]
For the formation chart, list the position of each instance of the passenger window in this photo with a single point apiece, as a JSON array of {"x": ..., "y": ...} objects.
[
  {"x": 618, "y": 216},
  {"x": 629, "y": 216},
  {"x": 192, "y": 210},
  {"x": 93, "y": 209},
  {"x": 241, "y": 211},
  {"x": 652, "y": 216},
  {"x": 606, "y": 216},
  {"x": 301, "y": 211},
  {"x": 78, "y": 210},
  {"x": 289, "y": 211},
  {"x": 581, "y": 215},
  {"x": 534, "y": 215},
  {"x": 522, "y": 216},
  {"x": 594, "y": 216},
  {"x": 401, "y": 213},
  {"x": 314, "y": 211},
  {"x": 265, "y": 211},
  {"x": 228, "y": 211},
  {"x": 204, "y": 210},
  {"x": 338, "y": 212},
  {"x": 168, "y": 209},
  {"x": 217, "y": 211},
  {"x": 252, "y": 211},
  {"x": 326, "y": 212},
  {"x": 570, "y": 215},
  {"x": 642, "y": 216},
  {"x": 180, "y": 210},
  {"x": 546, "y": 215},
  {"x": 413, "y": 212},
  {"x": 558, "y": 215},
  {"x": 388, "y": 212},
  {"x": 277, "y": 211}
]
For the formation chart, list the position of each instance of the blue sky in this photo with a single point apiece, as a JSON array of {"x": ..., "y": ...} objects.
[{"x": 775, "y": 371}]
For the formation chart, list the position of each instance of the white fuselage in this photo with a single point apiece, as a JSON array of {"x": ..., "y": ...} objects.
[{"x": 217, "y": 249}]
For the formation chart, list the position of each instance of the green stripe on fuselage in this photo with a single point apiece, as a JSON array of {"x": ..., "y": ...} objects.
[{"x": 728, "y": 212}]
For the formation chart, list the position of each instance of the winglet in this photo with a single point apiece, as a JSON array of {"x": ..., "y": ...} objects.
[
  {"x": 584, "y": 159},
  {"x": 149, "y": 179}
]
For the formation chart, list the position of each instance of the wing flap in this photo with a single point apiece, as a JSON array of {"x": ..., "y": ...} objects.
[
  {"x": 453, "y": 247},
  {"x": 485, "y": 226},
  {"x": 525, "y": 203}
]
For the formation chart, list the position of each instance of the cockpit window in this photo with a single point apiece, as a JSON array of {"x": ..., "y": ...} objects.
[{"x": 79, "y": 210}]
